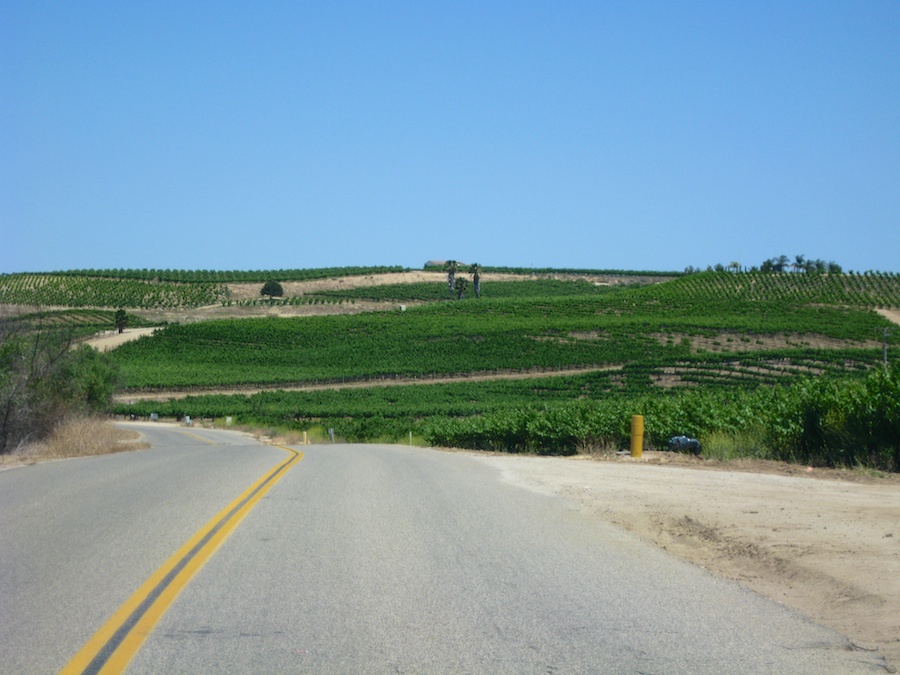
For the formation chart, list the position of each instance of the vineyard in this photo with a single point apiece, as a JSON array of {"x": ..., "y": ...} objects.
[
  {"x": 148, "y": 288},
  {"x": 230, "y": 276},
  {"x": 553, "y": 271},
  {"x": 742, "y": 355},
  {"x": 486, "y": 336},
  {"x": 837, "y": 421},
  {"x": 53, "y": 290},
  {"x": 431, "y": 292},
  {"x": 83, "y": 322},
  {"x": 152, "y": 288},
  {"x": 869, "y": 289}
]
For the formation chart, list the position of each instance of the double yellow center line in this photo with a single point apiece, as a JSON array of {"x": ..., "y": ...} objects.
[{"x": 119, "y": 639}]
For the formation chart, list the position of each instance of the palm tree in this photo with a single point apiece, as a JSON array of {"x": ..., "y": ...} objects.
[
  {"x": 475, "y": 269},
  {"x": 451, "y": 267},
  {"x": 783, "y": 261}
]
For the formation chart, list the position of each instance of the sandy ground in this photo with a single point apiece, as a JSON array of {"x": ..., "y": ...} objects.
[
  {"x": 890, "y": 314},
  {"x": 822, "y": 542},
  {"x": 112, "y": 339}
]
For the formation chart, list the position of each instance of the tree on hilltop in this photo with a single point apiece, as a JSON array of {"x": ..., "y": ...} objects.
[
  {"x": 782, "y": 263},
  {"x": 801, "y": 264},
  {"x": 272, "y": 289}
]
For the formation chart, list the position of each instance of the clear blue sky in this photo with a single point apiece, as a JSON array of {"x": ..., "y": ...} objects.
[{"x": 597, "y": 134}]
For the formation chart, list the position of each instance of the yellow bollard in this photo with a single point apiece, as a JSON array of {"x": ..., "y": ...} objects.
[
  {"x": 637, "y": 435},
  {"x": 305, "y": 439}
]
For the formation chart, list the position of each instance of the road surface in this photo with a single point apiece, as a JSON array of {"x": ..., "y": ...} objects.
[{"x": 365, "y": 559}]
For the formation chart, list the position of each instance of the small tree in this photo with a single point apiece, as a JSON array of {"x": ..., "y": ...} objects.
[
  {"x": 272, "y": 289},
  {"x": 460, "y": 285},
  {"x": 43, "y": 380},
  {"x": 121, "y": 320}
]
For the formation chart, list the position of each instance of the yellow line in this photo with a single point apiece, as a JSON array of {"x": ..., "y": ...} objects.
[
  {"x": 199, "y": 438},
  {"x": 119, "y": 639}
]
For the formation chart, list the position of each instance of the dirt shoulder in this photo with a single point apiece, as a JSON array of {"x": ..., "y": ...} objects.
[{"x": 822, "y": 542}]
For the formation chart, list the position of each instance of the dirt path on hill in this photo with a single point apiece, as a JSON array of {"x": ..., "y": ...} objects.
[
  {"x": 825, "y": 543},
  {"x": 890, "y": 314},
  {"x": 112, "y": 339},
  {"x": 170, "y": 395}
]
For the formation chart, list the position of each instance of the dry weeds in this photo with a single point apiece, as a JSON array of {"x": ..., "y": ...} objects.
[{"x": 77, "y": 437}]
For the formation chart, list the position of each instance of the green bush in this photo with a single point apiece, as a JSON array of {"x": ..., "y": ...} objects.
[
  {"x": 727, "y": 445},
  {"x": 44, "y": 381},
  {"x": 840, "y": 422}
]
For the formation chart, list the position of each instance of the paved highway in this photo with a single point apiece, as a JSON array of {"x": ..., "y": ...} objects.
[{"x": 358, "y": 559}]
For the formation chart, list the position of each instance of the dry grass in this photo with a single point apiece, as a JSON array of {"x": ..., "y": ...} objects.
[
  {"x": 78, "y": 437},
  {"x": 598, "y": 447}
]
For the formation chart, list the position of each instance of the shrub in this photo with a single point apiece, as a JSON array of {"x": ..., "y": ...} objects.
[
  {"x": 840, "y": 422},
  {"x": 43, "y": 381},
  {"x": 272, "y": 289},
  {"x": 727, "y": 445}
]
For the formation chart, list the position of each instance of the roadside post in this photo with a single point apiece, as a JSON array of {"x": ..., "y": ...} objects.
[{"x": 637, "y": 435}]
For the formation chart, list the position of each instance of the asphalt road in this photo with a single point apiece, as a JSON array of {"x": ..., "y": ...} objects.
[{"x": 366, "y": 559}]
